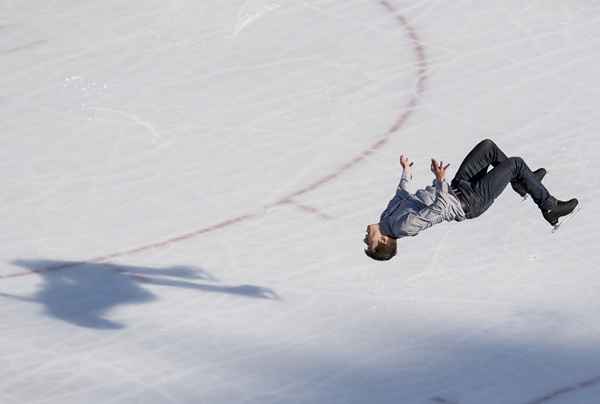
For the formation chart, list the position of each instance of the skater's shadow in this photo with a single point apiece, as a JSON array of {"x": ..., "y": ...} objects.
[{"x": 82, "y": 293}]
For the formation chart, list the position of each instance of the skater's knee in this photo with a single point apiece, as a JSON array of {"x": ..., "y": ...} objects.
[
  {"x": 518, "y": 165},
  {"x": 516, "y": 160},
  {"x": 487, "y": 142}
]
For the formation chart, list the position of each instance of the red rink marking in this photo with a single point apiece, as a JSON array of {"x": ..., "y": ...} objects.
[
  {"x": 305, "y": 208},
  {"x": 408, "y": 110},
  {"x": 145, "y": 248}
]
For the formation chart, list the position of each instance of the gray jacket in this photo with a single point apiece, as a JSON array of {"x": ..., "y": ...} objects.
[{"x": 408, "y": 214}]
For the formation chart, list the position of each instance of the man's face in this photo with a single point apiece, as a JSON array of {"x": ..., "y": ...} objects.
[{"x": 372, "y": 236}]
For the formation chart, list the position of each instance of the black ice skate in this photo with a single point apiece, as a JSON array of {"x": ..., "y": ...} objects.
[
  {"x": 562, "y": 208},
  {"x": 540, "y": 173}
]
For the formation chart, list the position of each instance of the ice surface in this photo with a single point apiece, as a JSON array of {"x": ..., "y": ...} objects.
[{"x": 187, "y": 183}]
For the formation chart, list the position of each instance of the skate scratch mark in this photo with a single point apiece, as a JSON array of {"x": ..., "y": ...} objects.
[
  {"x": 22, "y": 47},
  {"x": 421, "y": 74},
  {"x": 434, "y": 258},
  {"x": 246, "y": 18},
  {"x": 567, "y": 390},
  {"x": 134, "y": 118}
]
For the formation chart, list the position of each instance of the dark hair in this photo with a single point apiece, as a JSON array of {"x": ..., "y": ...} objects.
[{"x": 383, "y": 252}]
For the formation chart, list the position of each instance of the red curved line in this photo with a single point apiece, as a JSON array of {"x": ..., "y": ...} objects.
[
  {"x": 400, "y": 121},
  {"x": 398, "y": 124},
  {"x": 132, "y": 251}
]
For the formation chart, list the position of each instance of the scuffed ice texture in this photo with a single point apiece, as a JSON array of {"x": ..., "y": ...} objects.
[{"x": 186, "y": 186}]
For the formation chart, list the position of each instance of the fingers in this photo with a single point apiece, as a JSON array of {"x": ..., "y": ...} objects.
[
  {"x": 405, "y": 162},
  {"x": 435, "y": 166}
]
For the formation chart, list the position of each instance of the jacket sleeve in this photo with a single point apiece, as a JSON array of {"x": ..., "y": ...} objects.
[
  {"x": 405, "y": 182},
  {"x": 413, "y": 223}
]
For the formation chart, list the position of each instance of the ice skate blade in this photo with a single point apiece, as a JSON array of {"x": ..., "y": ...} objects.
[{"x": 566, "y": 218}]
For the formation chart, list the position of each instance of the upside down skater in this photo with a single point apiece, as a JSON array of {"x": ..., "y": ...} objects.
[{"x": 471, "y": 192}]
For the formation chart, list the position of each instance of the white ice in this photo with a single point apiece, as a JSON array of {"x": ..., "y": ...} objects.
[{"x": 186, "y": 185}]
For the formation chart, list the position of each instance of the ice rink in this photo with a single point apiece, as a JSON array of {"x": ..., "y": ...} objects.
[{"x": 186, "y": 185}]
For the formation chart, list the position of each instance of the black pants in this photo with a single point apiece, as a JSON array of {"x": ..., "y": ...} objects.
[{"x": 478, "y": 187}]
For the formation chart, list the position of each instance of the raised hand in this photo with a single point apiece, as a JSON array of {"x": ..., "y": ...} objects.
[
  {"x": 405, "y": 162},
  {"x": 439, "y": 170}
]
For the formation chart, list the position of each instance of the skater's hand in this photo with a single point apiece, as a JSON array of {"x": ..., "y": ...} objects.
[
  {"x": 406, "y": 163},
  {"x": 439, "y": 170}
]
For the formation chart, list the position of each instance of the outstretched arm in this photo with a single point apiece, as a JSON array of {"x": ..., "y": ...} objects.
[
  {"x": 413, "y": 223},
  {"x": 406, "y": 173}
]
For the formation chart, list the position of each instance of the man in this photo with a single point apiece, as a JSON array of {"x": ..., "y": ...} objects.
[{"x": 472, "y": 192}]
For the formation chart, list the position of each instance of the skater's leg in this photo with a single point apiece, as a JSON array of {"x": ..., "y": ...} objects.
[
  {"x": 474, "y": 167},
  {"x": 513, "y": 169}
]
